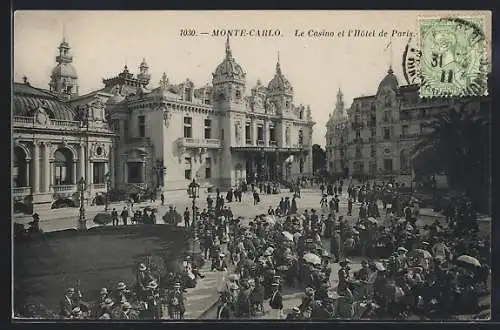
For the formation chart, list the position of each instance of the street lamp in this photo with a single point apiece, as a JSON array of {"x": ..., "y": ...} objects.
[
  {"x": 194, "y": 192},
  {"x": 81, "y": 219},
  {"x": 107, "y": 177}
]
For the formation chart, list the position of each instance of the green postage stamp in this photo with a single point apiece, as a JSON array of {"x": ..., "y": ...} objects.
[{"x": 454, "y": 58}]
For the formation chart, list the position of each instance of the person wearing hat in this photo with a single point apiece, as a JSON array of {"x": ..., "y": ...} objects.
[
  {"x": 35, "y": 224},
  {"x": 294, "y": 314},
  {"x": 219, "y": 263},
  {"x": 114, "y": 217},
  {"x": 103, "y": 295},
  {"x": 364, "y": 273},
  {"x": 152, "y": 299},
  {"x": 276, "y": 300},
  {"x": 124, "y": 215},
  {"x": 121, "y": 293},
  {"x": 105, "y": 307},
  {"x": 401, "y": 258},
  {"x": 68, "y": 303},
  {"x": 126, "y": 312},
  {"x": 175, "y": 303},
  {"x": 76, "y": 314},
  {"x": 143, "y": 277},
  {"x": 344, "y": 276}
]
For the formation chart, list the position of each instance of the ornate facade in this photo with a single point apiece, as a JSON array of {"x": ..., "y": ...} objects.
[
  {"x": 59, "y": 138},
  {"x": 214, "y": 133},
  {"x": 160, "y": 137},
  {"x": 376, "y": 135}
]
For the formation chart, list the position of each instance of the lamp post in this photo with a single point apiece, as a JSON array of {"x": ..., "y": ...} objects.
[
  {"x": 107, "y": 177},
  {"x": 81, "y": 219},
  {"x": 194, "y": 191}
]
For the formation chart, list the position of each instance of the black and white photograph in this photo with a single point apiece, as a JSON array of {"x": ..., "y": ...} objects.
[{"x": 251, "y": 165}]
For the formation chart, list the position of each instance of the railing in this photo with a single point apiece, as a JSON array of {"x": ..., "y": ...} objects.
[
  {"x": 248, "y": 142},
  {"x": 21, "y": 191},
  {"x": 99, "y": 185},
  {"x": 199, "y": 143},
  {"x": 64, "y": 188},
  {"x": 24, "y": 120},
  {"x": 273, "y": 143}
]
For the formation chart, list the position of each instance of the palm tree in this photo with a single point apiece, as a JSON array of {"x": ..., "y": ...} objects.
[{"x": 458, "y": 143}]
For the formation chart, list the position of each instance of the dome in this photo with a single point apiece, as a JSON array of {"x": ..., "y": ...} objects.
[
  {"x": 279, "y": 83},
  {"x": 64, "y": 70},
  {"x": 228, "y": 69},
  {"x": 389, "y": 80}
]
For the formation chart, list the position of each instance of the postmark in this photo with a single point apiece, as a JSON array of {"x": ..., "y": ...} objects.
[{"x": 453, "y": 58}]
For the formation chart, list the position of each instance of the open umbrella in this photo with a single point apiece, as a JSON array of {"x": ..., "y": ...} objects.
[
  {"x": 103, "y": 219},
  {"x": 270, "y": 219},
  {"x": 373, "y": 220},
  {"x": 469, "y": 260},
  {"x": 288, "y": 236},
  {"x": 312, "y": 258}
]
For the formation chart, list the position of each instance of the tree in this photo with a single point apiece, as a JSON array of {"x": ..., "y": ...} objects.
[
  {"x": 458, "y": 143},
  {"x": 319, "y": 158}
]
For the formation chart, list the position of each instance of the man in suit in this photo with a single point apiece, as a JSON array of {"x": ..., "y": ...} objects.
[
  {"x": 186, "y": 218},
  {"x": 114, "y": 216},
  {"x": 124, "y": 215},
  {"x": 219, "y": 264},
  {"x": 68, "y": 303},
  {"x": 276, "y": 301}
]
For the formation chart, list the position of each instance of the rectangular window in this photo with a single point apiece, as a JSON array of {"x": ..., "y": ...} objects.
[
  {"x": 208, "y": 168},
  {"x": 386, "y": 116},
  {"x": 208, "y": 129},
  {"x": 260, "y": 134},
  {"x": 388, "y": 165},
  {"x": 222, "y": 135},
  {"x": 134, "y": 172},
  {"x": 373, "y": 167},
  {"x": 404, "y": 130},
  {"x": 272, "y": 135},
  {"x": 188, "y": 129},
  {"x": 373, "y": 151},
  {"x": 387, "y": 133},
  {"x": 374, "y": 131},
  {"x": 98, "y": 173},
  {"x": 187, "y": 93},
  {"x": 142, "y": 126},
  {"x": 187, "y": 168},
  {"x": 358, "y": 133},
  {"x": 248, "y": 134}
]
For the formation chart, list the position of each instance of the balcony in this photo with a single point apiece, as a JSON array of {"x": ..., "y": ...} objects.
[
  {"x": 99, "y": 186},
  {"x": 29, "y": 122},
  {"x": 199, "y": 143},
  {"x": 21, "y": 191},
  {"x": 64, "y": 188},
  {"x": 248, "y": 141},
  {"x": 273, "y": 143},
  {"x": 260, "y": 142}
]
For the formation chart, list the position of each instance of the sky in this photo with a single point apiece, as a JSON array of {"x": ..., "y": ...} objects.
[{"x": 102, "y": 42}]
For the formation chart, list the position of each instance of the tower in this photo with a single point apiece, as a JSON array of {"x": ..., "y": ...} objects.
[
  {"x": 280, "y": 91},
  {"x": 229, "y": 81},
  {"x": 143, "y": 76},
  {"x": 64, "y": 80}
]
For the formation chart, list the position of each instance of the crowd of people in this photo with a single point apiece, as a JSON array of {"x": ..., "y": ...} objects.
[{"x": 406, "y": 267}]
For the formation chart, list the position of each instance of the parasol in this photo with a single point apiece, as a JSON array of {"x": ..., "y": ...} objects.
[
  {"x": 270, "y": 219},
  {"x": 288, "y": 236},
  {"x": 469, "y": 260},
  {"x": 421, "y": 253},
  {"x": 379, "y": 266},
  {"x": 312, "y": 258},
  {"x": 373, "y": 220}
]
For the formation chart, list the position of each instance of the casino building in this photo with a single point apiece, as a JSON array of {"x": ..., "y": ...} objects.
[
  {"x": 375, "y": 136},
  {"x": 136, "y": 136}
]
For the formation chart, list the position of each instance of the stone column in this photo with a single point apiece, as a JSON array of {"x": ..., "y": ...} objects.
[
  {"x": 90, "y": 171},
  {"x": 74, "y": 179},
  {"x": 254, "y": 132},
  {"x": 267, "y": 136},
  {"x": 36, "y": 168},
  {"x": 81, "y": 159},
  {"x": 125, "y": 172},
  {"x": 27, "y": 171},
  {"x": 144, "y": 171},
  {"x": 112, "y": 168},
  {"x": 52, "y": 173},
  {"x": 46, "y": 167}
]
